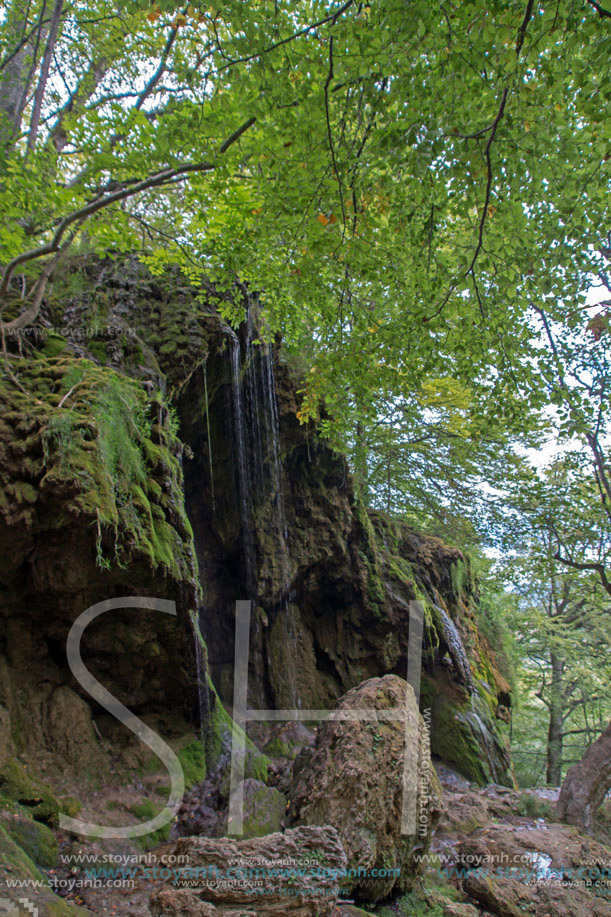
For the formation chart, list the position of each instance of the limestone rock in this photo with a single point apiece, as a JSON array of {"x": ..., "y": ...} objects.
[
  {"x": 34, "y": 838},
  {"x": 180, "y": 902},
  {"x": 264, "y": 809},
  {"x": 354, "y": 781},
  {"x": 69, "y": 729},
  {"x": 543, "y": 870},
  {"x": 6, "y": 742},
  {"x": 220, "y": 868},
  {"x": 349, "y": 910}
]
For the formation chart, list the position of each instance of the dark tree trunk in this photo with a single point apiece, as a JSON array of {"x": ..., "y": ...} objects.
[
  {"x": 556, "y": 723},
  {"x": 586, "y": 784}
]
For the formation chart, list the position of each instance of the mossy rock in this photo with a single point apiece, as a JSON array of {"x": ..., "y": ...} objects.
[
  {"x": 146, "y": 810},
  {"x": 219, "y": 729},
  {"x": 452, "y": 742},
  {"x": 192, "y": 757},
  {"x": 264, "y": 809},
  {"x": 54, "y": 345},
  {"x": 85, "y": 436},
  {"x": 36, "y": 839},
  {"x": 16, "y": 861},
  {"x": 16, "y": 786},
  {"x": 16, "y": 864},
  {"x": 350, "y": 910}
]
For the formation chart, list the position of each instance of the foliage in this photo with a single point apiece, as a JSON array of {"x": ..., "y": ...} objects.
[
  {"x": 409, "y": 193},
  {"x": 534, "y": 807},
  {"x": 559, "y": 619},
  {"x": 108, "y": 452}
]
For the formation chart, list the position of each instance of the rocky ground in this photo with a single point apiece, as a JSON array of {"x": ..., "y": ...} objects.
[{"x": 495, "y": 851}]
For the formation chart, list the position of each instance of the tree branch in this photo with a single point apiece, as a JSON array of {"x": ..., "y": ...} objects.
[
  {"x": 583, "y": 565},
  {"x": 602, "y": 12},
  {"x": 332, "y": 17},
  {"x": 44, "y": 74},
  {"x": 493, "y": 129},
  {"x": 160, "y": 69},
  {"x": 329, "y": 132},
  {"x": 85, "y": 89},
  {"x": 156, "y": 180}
]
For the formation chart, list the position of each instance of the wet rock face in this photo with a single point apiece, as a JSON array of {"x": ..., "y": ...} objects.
[
  {"x": 227, "y": 885},
  {"x": 331, "y": 583},
  {"x": 91, "y": 508},
  {"x": 274, "y": 515},
  {"x": 355, "y": 780}
]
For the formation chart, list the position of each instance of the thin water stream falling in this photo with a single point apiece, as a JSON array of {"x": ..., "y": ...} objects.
[
  {"x": 456, "y": 649},
  {"x": 202, "y": 691},
  {"x": 257, "y": 449}
]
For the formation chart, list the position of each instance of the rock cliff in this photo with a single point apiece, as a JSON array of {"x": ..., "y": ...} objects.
[{"x": 149, "y": 449}]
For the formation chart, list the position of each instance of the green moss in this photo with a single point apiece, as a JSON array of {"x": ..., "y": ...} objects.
[
  {"x": 193, "y": 761},
  {"x": 264, "y": 812},
  {"x": 459, "y": 574},
  {"x": 37, "y": 840},
  {"x": 16, "y": 864},
  {"x": 534, "y": 807},
  {"x": 98, "y": 351},
  {"x": 59, "y": 908},
  {"x": 54, "y": 345},
  {"x": 279, "y": 749},
  {"x": 146, "y": 810},
  {"x": 16, "y": 786},
  {"x": 452, "y": 741},
  {"x": 414, "y": 904},
  {"x": 107, "y": 448},
  {"x": 218, "y": 731},
  {"x": 15, "y": 860}
]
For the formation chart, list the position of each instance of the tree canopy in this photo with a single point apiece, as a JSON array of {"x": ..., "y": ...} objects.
[{"x": 418, "y": 194}]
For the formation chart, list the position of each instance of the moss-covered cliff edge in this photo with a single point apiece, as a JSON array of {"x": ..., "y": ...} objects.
[{"x": 120, "y": 461}]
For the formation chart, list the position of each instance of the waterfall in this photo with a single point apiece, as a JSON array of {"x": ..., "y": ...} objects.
[
  {"x": 485, "y": 742},
  {"x": 456, "y": 649},
  {"x": 258, "y": 457},
  {"x": 200, "y": 669},
  {"x": 257, "y": 449},
  {"x": 244, "y": 467}
]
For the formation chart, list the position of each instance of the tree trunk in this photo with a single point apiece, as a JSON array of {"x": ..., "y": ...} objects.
[
  {"x": 16, "y": 75},
  {"x": 586, "y": 784},
  {"x": 556, "y": 724},
  {"x": 44, "y": 74}
]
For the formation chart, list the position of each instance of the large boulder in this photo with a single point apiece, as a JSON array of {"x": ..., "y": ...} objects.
[
  {"x": 354, "y": 780},
  {"x": 294, "y": 874}
]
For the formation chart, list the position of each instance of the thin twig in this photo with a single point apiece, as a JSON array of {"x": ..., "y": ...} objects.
[
  {"x": 158, "y": 179},
  {"x": 329, "y": 132},
  {"x": 602, "y": 12}
]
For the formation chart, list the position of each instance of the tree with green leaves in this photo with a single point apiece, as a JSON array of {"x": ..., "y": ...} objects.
[
  {"x": 560, "y": 624},
  {"x": 417, "y": 196},
  {"x": 401, "y": 188}
]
